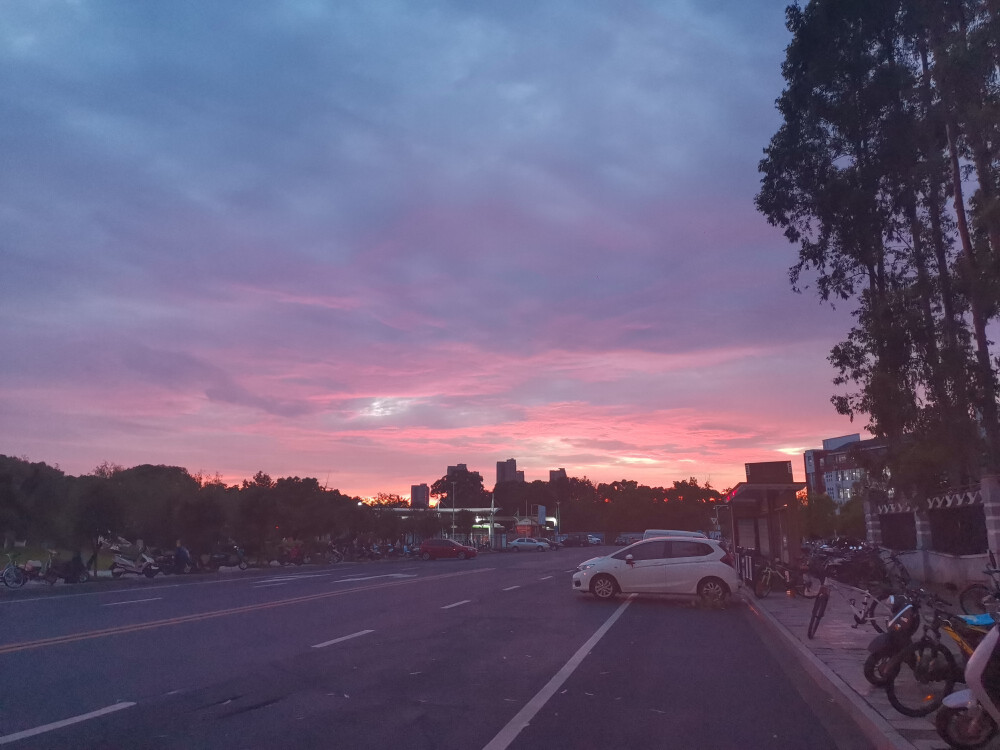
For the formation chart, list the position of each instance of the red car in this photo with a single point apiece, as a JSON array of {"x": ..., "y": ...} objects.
[{"x": 431, "y": 549}]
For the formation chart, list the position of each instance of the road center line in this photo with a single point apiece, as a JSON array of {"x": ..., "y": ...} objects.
[
  {"x": 343, "y": 638},
  {"x": 511, "y": 588},
  {"x": 8, "y": 738},
  {"x": 132, "y": 601},
  {"x": 544, "y": 578},
  {"x": 456, "y": 604},
  {"x": 523, "y": 717}
]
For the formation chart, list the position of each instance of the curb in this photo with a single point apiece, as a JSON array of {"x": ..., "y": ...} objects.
[{"x": 871, "y": 723}]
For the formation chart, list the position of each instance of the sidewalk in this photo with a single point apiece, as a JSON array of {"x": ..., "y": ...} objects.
[{"x": 834, "y": 658}]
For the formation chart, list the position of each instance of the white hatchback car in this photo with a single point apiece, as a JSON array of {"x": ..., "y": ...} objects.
[
  {"x": 665, "y": 565},
  {"x": 528, "y": 543}
]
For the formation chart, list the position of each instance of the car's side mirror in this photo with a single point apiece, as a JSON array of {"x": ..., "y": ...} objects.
[{"x": 629, "y": 560}]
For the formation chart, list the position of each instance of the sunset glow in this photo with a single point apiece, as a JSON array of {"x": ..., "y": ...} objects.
[{"x": 385, "y": 243}]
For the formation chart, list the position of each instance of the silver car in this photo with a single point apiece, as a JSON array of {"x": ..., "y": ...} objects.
[{"x": 528, "y": 543}]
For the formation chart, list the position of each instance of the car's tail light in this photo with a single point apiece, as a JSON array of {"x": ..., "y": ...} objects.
[{"x": 728, "y": 560}]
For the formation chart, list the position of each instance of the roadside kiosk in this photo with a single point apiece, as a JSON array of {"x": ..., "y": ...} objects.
[{"x": 763, "y": 516}]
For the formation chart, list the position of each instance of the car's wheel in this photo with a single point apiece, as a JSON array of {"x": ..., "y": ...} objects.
[
  {"x": 243, "y": 565},
  {"x": 604, "y": 587},
  {"x": 461, "y": 555},
  {"x": 515, "y": 548},
  {"x": 713, "y": 590},
  {"x": 541, "y": 548},
  {"x": 116, "y": 572},
  {"x": 425, "y": 556},
  {"x": 82, "y": 577}
]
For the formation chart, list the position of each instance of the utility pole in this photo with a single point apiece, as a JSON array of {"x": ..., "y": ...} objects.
[
  {"x": 453, "y": 506},
  {"x": 493, "y": 510}
]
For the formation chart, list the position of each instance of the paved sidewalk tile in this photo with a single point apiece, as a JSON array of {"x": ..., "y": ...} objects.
[{"x": 841, "y": 647}]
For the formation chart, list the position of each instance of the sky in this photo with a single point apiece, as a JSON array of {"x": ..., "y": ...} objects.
[{"x": 364, "y": 241}]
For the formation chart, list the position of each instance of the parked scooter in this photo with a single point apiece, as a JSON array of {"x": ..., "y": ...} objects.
[
  {"x": 897, "y": 636},
  {"x": 142, "y": 564},
  {"x": 970, "y": 718},
  {"x": 71, "y": 571},
  {"x": 177, "y": 561},
  {"x": 229, "y": 555}
]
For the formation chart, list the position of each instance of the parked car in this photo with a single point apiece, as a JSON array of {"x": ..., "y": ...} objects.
[
  {"x": 664, "y": 565},
  {"x": 576, "y": 540},
  {"x": 528, "y": 543},
  {"x": 432, "y": 549},
  {"x": 593, "y": 539},
  {"x": 651, "y": 533},
  {"x": 553, "y": 544}
]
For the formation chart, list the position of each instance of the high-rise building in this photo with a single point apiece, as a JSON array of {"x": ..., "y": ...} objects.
[
  {"x": 460, "y": 468},
  {"x": 556, "y": 474},
  {"x": 420, "y": 496},
  {"x": 507, "y": 471}
]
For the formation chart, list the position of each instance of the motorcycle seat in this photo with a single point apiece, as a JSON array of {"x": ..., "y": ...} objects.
[{"x": 982, "y": 620}]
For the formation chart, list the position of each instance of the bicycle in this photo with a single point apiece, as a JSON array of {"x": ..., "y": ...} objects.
[
  {"x": 800, "y": 582},
  {"x": 922, "y": 674},
  {"x": 13, "y": 574},
  {"x": 869, "y": 611},
  {"x": 978, "y": 598},
  {"x": 818, "y": 610}
]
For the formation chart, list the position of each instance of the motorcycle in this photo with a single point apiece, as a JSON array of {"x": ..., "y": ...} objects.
[
  {"x": 897, "y": 636},
  {"x": 71, "y": 571},
  {"x": 970, "y": 718},
  {"x": 229, "y": 556},
  {"x": 171, "y": 562},
  {"x": 143, "y": 564},
  {"x": 293, "y": 555}
]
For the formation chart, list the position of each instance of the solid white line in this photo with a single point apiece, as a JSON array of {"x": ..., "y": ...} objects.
[
  {"x": 523, "y": 717},
  {"x": 544, "y": 578},
  {"x": 7, "y": 738},
  {"x": 456, "y": 604},
  {"x": 344, "y": 638},
  {"x": 511, "y": 588},
  {"x": 133, "y": 601}
]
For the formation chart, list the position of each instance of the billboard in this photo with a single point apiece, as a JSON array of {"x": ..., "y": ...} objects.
[{"x": 770, "y": 472}]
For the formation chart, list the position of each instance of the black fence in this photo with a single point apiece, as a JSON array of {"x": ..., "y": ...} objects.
[
  {"x": 899, "y": 530},
  {"x": 958, "y": 531}
]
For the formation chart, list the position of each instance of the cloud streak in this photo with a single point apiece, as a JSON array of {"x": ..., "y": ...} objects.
[{"x": 372, "y": 240}]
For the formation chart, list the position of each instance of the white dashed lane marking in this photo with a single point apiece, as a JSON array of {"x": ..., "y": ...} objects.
[{"x": 360, "y": 633}]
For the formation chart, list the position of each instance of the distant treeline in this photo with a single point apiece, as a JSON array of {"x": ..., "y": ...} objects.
[{"x": 160, "y": 504}]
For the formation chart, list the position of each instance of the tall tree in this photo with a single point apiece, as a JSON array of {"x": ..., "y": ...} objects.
[{"x": 857, "y": 177}]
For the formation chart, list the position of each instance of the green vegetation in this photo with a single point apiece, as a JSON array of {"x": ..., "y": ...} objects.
[
  {"x": 885, "y": 173},
  {"x": 160, "y": 504}
]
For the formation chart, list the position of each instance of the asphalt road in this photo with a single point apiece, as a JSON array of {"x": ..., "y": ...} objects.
[{"x": 486, "y": 654}]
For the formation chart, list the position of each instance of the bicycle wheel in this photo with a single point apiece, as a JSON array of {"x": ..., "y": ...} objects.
[
  {"x": 763, "y": 585},
  {"x": 922, "y": 676},
  {"x": 870, "y": 615},
  {"x": 973, "y": 599},
  {"x": 809, "y": 585},
  {"x": 819, "y": 609},
  {"x": 14, "y": 577}
]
